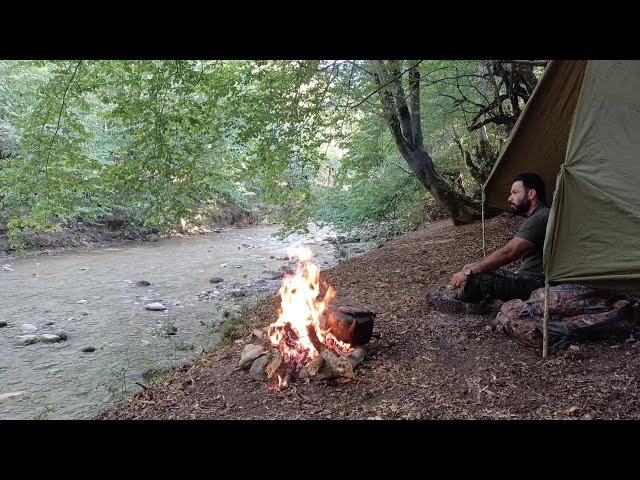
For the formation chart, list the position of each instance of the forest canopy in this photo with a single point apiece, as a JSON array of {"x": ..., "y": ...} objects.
[{"x": 168, "y": 142}]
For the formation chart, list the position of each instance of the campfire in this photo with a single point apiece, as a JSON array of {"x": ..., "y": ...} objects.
[{"x": 312, "y": 337}]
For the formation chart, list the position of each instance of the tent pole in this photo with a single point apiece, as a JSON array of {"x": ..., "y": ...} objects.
[
  {"x": 484, "y": 248},
  {"x": 545, "y": 320}
]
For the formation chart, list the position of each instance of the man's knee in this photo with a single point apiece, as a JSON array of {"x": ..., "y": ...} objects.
[{"x": 478, "y": 287}]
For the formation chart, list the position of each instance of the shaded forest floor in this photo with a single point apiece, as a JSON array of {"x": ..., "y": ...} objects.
[{"x": 425, "y": 365}]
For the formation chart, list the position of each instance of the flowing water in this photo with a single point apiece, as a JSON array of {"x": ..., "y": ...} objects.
[{"x": 93, "y": 298}]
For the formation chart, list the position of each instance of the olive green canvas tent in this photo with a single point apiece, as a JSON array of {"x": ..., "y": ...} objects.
[{"x": 580, "y": 131}]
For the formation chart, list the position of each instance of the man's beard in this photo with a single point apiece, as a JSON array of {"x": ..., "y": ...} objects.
[{"x": 522, "y": 208}]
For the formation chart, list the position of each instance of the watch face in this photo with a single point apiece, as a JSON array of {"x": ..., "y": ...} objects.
[{"x": 467, "y": 271}]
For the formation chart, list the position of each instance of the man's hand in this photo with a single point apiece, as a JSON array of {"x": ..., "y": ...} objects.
[{"x": 458, "y": 279}]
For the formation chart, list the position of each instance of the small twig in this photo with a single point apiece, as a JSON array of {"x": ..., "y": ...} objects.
[{"x": 144, "y": 387}]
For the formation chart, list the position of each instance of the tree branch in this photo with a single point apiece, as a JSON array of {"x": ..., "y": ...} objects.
[
  {"x": 401, "y": 105},
  {"x": 534, "y": 63},
  {"x": 64, "y": 98},
  {"x": 414, "y": 95},
  {"x": 380, "y": 87}
]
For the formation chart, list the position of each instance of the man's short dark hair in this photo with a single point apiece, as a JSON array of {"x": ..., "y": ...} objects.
[{"x": 533, "y": 181}]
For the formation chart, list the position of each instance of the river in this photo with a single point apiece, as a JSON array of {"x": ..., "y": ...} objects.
[{"x": 92, "y": 297}]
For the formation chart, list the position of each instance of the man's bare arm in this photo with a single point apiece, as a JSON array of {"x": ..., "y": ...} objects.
[{"x": 513, "y": 250}]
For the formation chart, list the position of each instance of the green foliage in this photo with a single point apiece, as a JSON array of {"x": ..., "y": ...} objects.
[{"x": 164, "y": 142}]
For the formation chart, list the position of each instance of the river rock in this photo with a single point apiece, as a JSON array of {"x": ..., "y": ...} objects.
[
  {"x": 3, "y": 323},
  {"x": 258, "y": 366},
  {"x": 238, "y": 293},
  {"x": 249, "y": 354},
  {"x": 78, "y": 316},
  {"x": 4, "y": 396},
  {"x": 49, "y": 338},
  {"x": 155, "y": 306},
  {"x": 142, "y": 283},
  {"x": 273, "y": 275},
  {"x": 88, "y": 349},
  {"x": 28, "y": 328},
  {"x": 26, "y": 340},
  {"x": 62, "y": 335},
  {"x": 216, "y": 280}
]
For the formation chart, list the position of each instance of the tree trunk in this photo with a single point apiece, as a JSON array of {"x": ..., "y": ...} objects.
[
  {"x": 404, "y": 120},
  {"x": 463, "y": 209}
]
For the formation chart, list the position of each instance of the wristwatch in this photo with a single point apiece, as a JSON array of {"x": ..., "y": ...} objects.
[{"x": 467, "y": 271}]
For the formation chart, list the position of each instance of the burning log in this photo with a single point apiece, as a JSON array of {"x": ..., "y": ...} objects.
[{"x": 311, "y": 337}]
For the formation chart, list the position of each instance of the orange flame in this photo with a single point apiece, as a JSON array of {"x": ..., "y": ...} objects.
[{"x": 298, "y": 331}]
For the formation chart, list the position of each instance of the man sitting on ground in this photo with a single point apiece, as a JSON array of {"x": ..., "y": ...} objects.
[{"x": 482, "y": 282}]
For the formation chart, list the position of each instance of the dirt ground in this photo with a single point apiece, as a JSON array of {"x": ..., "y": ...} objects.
[{"x": 425, "y": 365}]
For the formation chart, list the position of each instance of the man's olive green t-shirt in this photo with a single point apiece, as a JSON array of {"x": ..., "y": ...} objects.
[{"x": 534, "y": 229}]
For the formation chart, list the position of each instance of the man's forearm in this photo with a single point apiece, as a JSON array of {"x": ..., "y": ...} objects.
[{"x": 492, "y": 262}]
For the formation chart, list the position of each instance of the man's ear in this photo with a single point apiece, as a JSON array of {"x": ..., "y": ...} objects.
[{"x": 531, "y": 193}]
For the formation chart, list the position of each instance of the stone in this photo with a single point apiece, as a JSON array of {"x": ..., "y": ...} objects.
[
  {"x": 4, "y": 396},
  {"x": 78, "y": 316},
  {"x": 257, "y": 368},
  {"x": 155, "y": 306},
  {"x": 28, "y": 328},
  {"x": 238, "y": 293},
  {"x": 142, "y": 283},
  {"x": 334, "y": 366},
  {"x": 356, "y": 356},
  {"x": 249, "y": 354},
  {"x": 185, "y": 346},
  {"x": 257, "y": 333},
  {"x": 314, "y": 366},
  {"x": 216, "y": 280},
  {"x": 27, "y": 340},
  {"x": 3, "y": 323},
  {"x": 62, "y": 335},
  {"x": 274, "y": 363},
  {"x": 89, "y": 349},
  {"x": 49, "y": 338},
  {"x": 273, "y": 275}
]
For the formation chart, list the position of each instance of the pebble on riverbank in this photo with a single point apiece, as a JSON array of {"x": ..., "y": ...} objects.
[
  {"x": 26, "y": 340},
  {"x": 142, "y": 283},
  {"x": 155, "y": 306}
]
